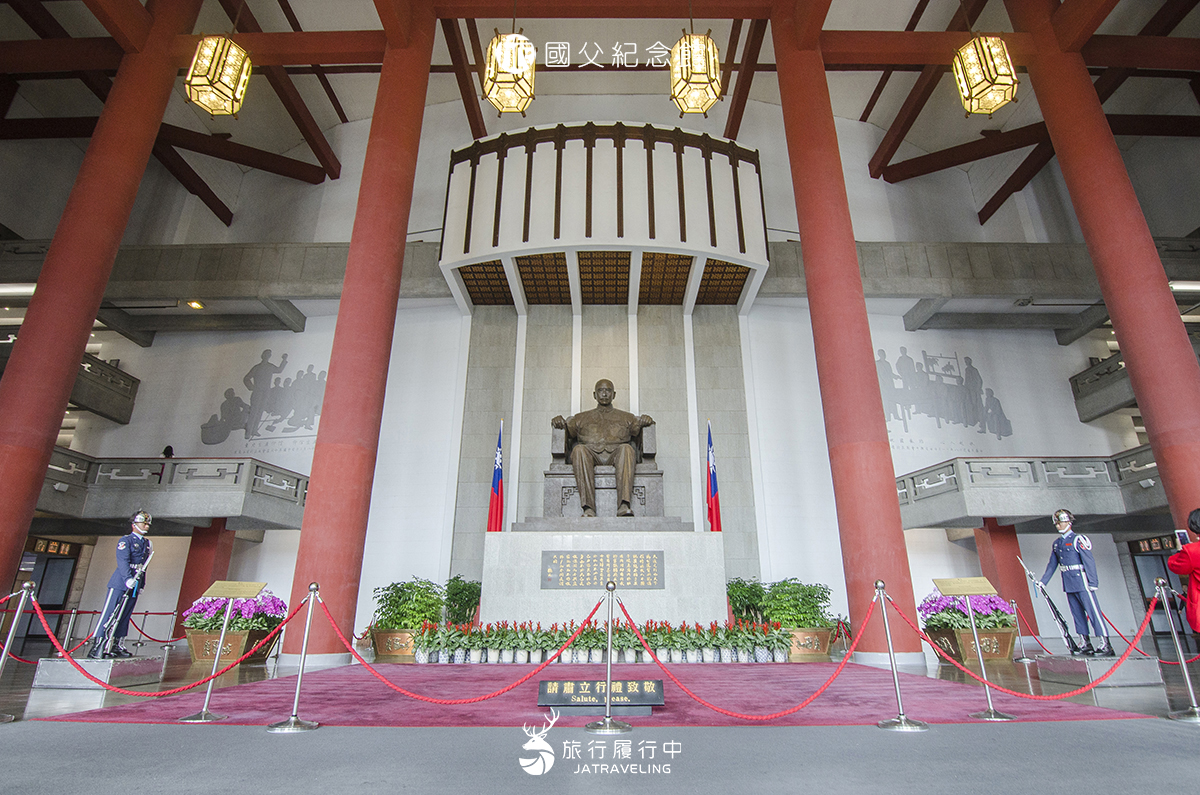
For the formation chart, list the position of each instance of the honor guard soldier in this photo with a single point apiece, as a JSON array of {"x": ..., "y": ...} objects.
[
  {"x": 1072, "y": 553},
  {"x": 133, "y": 553}
]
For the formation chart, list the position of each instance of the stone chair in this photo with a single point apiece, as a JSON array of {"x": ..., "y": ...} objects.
[{"x": 561, "y": 498}]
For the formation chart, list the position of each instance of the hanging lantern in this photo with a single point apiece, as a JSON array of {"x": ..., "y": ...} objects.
[
  {"x": 508, "y": 76},
  {"x": 218, "y": 77},
  {"x": 695, "y": 73},
  {"x": 985, "y": 75}
]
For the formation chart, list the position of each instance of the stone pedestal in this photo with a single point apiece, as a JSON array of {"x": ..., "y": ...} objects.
[
  {"x": 122, "y": 672},
  {"x": 1079, "y": 671},
  {"x": 689, "y": 584}
]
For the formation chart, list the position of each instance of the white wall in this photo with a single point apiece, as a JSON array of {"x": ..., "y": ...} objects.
[
  {"x": 1028, "y": 370},
  {"x": 183, "y": 378}
]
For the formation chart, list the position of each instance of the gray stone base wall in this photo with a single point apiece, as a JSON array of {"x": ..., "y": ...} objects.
[
  {"x": 721, "y": 397},
  {"x": 489, "y": 399},
  {"x": 663, "y": 395}
]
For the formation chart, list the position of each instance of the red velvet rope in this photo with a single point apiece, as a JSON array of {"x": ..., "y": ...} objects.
[
  {"x": 1120, "y": 661},
  {"x": 12, "y": 656},
  {"x": 420, "y": 697},
  {"x": 106, "y": 686},
  {"x": 153, "y": 639},
  {"x": 743, "y": 716},
  {"x": 1021, "y": 617}
]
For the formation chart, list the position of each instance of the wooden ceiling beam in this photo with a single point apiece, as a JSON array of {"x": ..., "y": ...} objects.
[
  {"x": 127, "y": 21},
  {"x": 913, "y": 21},
  {"x": 1169, "y": 15},
  {"x": 293, "y": 103},
  {"x": 318, "y": 70},
  {"x": 741, "y": 92},
  {"x": 1076, "y": 20},
  {"x": 920, "y": 93},
  {"x": 396, "y": 17},
  {"x": 808, "y": 17},
  {"x": 1151, "y": 52},
  {"x": 462, "y": 73}
]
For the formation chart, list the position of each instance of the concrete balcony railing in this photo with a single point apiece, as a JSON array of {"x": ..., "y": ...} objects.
[
  {"x": 99, "y": 387},
  {"x": 962, "y": 491},
  {"x": 188, "y": 492},
  {"x": 1104, "y": 387}
]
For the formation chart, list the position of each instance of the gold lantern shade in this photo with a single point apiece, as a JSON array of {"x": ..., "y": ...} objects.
[
  {"x": 695, "y": 73},
  {"x": 218, "y": 76},
  {"x": 508, "y": 76},
  {"x": 985, "y": 75}
]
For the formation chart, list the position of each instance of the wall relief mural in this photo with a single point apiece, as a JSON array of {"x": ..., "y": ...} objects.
[
  {"x": 938, "y": 396},
  {"x": 275, "y": 406}
]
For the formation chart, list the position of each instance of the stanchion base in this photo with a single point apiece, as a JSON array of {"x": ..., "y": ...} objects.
[
  {"x": 203, "y": 716},
  {"x": 608, "y": 726},
  {"x": 1189, "y": 715},
  {"x": 6, "y": 718},
  {"x": 1024, "y": 660},
  {"x": 902, "y": 723},
  {"x": 993, "y": 714},
  {"x": 292, "y": 724}
]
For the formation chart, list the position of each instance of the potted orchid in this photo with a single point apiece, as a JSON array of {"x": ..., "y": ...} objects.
[
  {"x": 250, "y": 620},
  {"x": 948, "y": 625}
]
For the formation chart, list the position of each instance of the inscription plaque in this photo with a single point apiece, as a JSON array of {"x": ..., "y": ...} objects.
[
  {"x": 590, "y": 692},
  {"x": 636, "y": 569}
]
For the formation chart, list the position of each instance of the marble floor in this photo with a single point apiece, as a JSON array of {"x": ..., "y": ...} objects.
[{"x": 18, "y": 698}]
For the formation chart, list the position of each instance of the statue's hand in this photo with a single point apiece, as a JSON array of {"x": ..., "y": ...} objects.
[
  {"x": 558, "y": 422},
  {"x": 645, "y": 420}
]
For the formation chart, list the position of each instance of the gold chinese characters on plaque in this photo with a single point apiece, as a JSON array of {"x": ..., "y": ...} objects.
[{"x": 568, "y": 568}]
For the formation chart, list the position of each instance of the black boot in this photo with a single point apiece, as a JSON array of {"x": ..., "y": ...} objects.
[
  {"x": 1072, "y": 647},
  {"x": 97, "y": 650},
  {"x": 1105, "y": 649},
  {"x": 121, "y": 651},
  {"x": 1086, "y": 650}
]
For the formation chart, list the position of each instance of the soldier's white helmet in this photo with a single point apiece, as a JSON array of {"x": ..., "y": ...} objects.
[
  {"x": 1063, "y": 515},
  {"x": 141, "y": 516}
]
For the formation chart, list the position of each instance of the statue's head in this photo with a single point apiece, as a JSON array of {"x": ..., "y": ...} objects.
[{"x": 605, "y": 392}]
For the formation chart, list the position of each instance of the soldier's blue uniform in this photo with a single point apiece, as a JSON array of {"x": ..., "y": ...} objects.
[
  {"x": 132, "y": 551},
  {"x": 1073, "y": 553}
]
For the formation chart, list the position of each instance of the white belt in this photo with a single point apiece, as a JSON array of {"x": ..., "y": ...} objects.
[{"x": 1076, "y": 567}]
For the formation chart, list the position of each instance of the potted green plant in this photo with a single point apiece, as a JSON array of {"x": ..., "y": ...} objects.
[
  {"x": 724, "y": 642},
  {"x": 743, "y": 641},
  {"x": 492, "y": 638},
  {"x": 803, "y": 611},
  {"x": 400, "y": 608},
  {"x": 709, "y": 650},
  {"x": 250, "y": 621},
  {"x": 626, "y": 641},
  {"x": 947, "y": 625},
  {"x": 472, "y": 642},
  {"x": 745, "y": 598},
  {"x": 424, "y": 643},
  {"x": 462, "y": 599}
]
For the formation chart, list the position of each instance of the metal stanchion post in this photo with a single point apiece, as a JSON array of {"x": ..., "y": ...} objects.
[
  {"x": 294, "y": 723},
  {"x": 608, "y": 725},
  {"x": 991, "y": 713},
  {"x": 26, "y": 594},
  {"x": 139, "y": 643},
  {"x": 1024, "y": 658},
  {"x": 1192, "y": 713},
  {"x": 70, "y": 633},
  {"x": 900, "y": 723},
  {"x": 204, "y": 716}
]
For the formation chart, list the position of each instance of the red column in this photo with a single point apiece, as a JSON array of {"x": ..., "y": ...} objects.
[
  {"x": 45, "y": 359},
  {"x": 1162, "y": 366},
  {"x": 998, "y": 550},
  {"x": 207, "y": 561},
  {"x": 339, "y": 494},
  {"x": 860, "y": 458}
]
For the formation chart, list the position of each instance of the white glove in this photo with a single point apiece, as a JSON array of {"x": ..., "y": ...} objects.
[{"x": 132, "y": 581}]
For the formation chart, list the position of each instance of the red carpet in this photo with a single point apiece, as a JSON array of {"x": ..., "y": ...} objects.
[{"x": 350, "y": 696}]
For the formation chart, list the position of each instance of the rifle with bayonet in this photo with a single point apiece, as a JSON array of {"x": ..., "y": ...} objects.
[
  {"x": 1058, "y": 618},
  {"x": 126, "y": 595}
]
